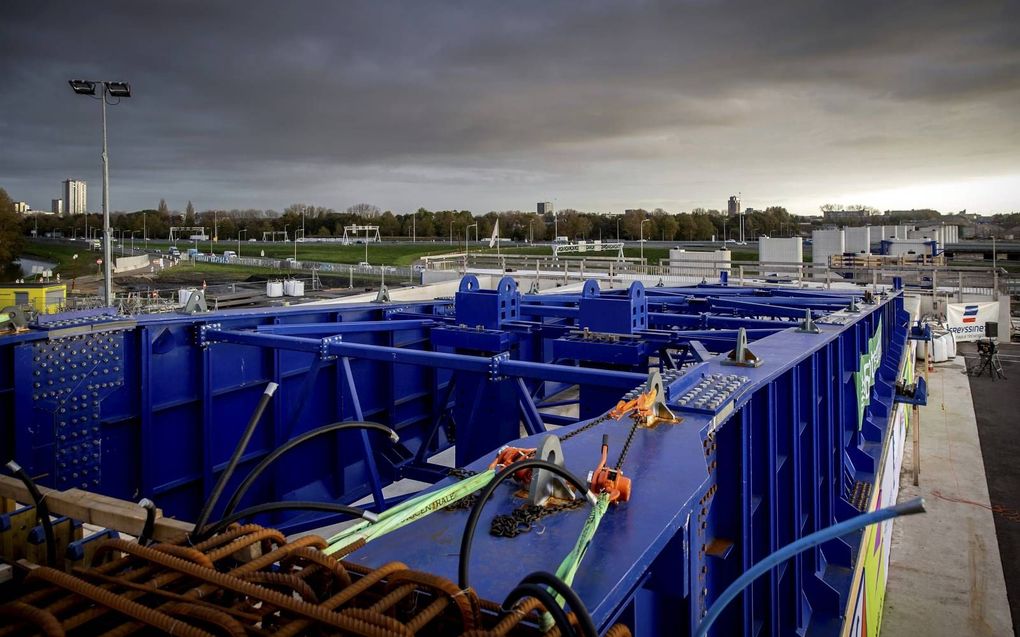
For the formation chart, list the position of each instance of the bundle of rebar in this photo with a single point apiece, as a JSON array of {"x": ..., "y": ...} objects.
[{"x": 250, "y": 580}]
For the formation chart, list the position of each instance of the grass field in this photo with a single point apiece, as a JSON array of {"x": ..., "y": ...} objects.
[
  {"x": 380, "y": 253},
  {"x": 186, "y": 273},
  {"x": 67, "y": 265}
]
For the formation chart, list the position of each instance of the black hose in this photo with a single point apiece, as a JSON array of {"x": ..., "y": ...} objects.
[
  {"x": 476, "y": 509},
  {"x": 42, "y": 511},
  {"x": 534, "y": 590},
  {"x": 150, "y": 521},
  {"x": 295, "y": 505},
  {"x": 294, "y": 442},
  {"x": 242, "y": 444},
  {"x": 584, "y": 620}
]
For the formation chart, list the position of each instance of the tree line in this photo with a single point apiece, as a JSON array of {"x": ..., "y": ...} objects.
[{"x": 439, "y": 225}]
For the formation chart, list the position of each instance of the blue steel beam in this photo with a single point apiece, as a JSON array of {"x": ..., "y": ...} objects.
[
  {"x": 791, "y": 450},
  {"x": 326, "y": 329},
  {"x": 480, "y": 365},
  {"x": 647, "y": 568}
]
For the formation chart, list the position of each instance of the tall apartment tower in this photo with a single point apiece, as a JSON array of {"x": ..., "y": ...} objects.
[
  {"x": 57, "y": 206},
  {"x": 733, "y": 206},
  {"x": 545, "y": 207},
  {"x": 75, "y": 197}
]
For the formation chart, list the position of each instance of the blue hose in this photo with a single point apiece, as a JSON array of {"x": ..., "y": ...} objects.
[{"x": 808, "y": 541}]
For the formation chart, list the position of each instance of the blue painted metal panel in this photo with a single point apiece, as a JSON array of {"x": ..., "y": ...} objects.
[{"x": 778, "y": 457}]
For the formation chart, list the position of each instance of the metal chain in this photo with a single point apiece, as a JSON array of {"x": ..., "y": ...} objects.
[
  {"x": 521, "y": 519},
  {"x": 467, "y": 501},
  {"x": 597, "y": 421},
  {"x": 626, "y": 445}
]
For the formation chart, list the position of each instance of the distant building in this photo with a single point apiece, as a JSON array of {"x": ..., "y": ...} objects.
[
  {"x": 43, "y": 297},
  {"x": 20, "y": 207},
  {"x": 733, "y": 206},
  {"x": 848, "y": 215},
  {"x": 75, "y": 197},
  {"x": 57, "y": 206},
  {"x": 545, "y": 208}
]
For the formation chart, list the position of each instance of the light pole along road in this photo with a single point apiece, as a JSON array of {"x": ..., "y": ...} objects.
[{"x": 118, "y": 90}]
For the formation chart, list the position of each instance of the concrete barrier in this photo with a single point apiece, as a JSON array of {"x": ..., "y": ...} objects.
[{"x": 124, "y": 264}]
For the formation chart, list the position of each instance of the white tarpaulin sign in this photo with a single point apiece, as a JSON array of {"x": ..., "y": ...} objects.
[{"x": 967, "y": 320}]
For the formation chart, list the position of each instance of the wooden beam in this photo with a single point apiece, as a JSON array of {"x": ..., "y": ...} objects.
[{"x": 98, "y": 510}]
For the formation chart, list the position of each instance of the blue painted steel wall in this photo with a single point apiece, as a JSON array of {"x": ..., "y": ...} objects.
[{"x": 156, "y": 408}]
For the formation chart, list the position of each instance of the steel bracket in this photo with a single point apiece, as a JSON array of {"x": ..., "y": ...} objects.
[
  {"x": 916, "y": 394},
  {"x": 202, "y": 334},
  {"x": 742, "y": 356},
  {"x": 494, "y": 362},
  {"x": 324, "y": 344},
  {"x": 808, "y": 326},
  {"x": 546, "y": 484},
  {"x": 919, "y": 332}
]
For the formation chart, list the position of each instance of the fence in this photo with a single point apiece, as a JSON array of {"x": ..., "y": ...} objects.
[
  {"x": 382, "y": 271},
  {"x": 940, "y": 278}
]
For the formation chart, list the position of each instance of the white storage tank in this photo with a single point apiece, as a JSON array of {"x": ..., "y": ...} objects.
[
  {"x": 274, "y": 289},
  {"x": 858, "y": 240},
  {"x": 781, "y": 255},
  {"x": 826, "y": 243},
  {"x": 699, "y": 263}
]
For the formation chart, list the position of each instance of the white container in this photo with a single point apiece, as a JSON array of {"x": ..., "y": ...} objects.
[
  {"x": 826, "y": 243},
  {"x": 780, "y": 256},
  {"x": 941, "y": 349},
  {"x": 297, "y": 288},
  {"x": 858, "y": 240},
  {"x": 288, "y": 287},
  {"x": 699, "y": 263},
  {"x": 274, "y": 289},
  {"x": 184, "y": 294}
]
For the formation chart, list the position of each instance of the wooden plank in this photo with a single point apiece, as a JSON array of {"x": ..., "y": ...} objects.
[{"x": 100, "y": 510}]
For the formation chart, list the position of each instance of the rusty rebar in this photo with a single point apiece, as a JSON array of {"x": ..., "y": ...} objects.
[{"x": 116, "y": 602}]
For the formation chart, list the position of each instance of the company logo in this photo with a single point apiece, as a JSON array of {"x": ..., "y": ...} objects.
[{"x": 970, "y": 313}]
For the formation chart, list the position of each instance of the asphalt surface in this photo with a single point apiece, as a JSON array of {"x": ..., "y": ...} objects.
[{"x": 997, "y": 407}]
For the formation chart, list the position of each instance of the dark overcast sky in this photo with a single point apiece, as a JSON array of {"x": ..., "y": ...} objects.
[{"x": 497, "y": 105}]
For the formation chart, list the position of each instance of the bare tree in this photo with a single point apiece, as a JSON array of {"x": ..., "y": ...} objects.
[{"x": 365, "y": 210}]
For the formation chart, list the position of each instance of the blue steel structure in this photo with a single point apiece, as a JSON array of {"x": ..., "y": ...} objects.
[{"x": 153, "y": 406}]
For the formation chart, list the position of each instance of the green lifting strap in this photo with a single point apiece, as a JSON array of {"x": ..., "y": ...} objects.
[{"x": 408, "y": 511}]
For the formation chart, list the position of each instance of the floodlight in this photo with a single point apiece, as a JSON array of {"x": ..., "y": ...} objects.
[
  {"x": 83, "y": 87},
  {"x": 118, "y": 89}
]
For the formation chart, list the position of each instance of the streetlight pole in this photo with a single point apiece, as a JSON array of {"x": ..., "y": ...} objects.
[
  {"x": 467, "y": 233},
  {"x": 641, "y": 232},
  {"x": 451, "y": 232},
  {"x": 118, "y": 90},
  {"x": 245, "y": 230}
]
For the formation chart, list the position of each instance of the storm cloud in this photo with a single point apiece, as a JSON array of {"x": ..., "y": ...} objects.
[{"x": 496, "y": 105}]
